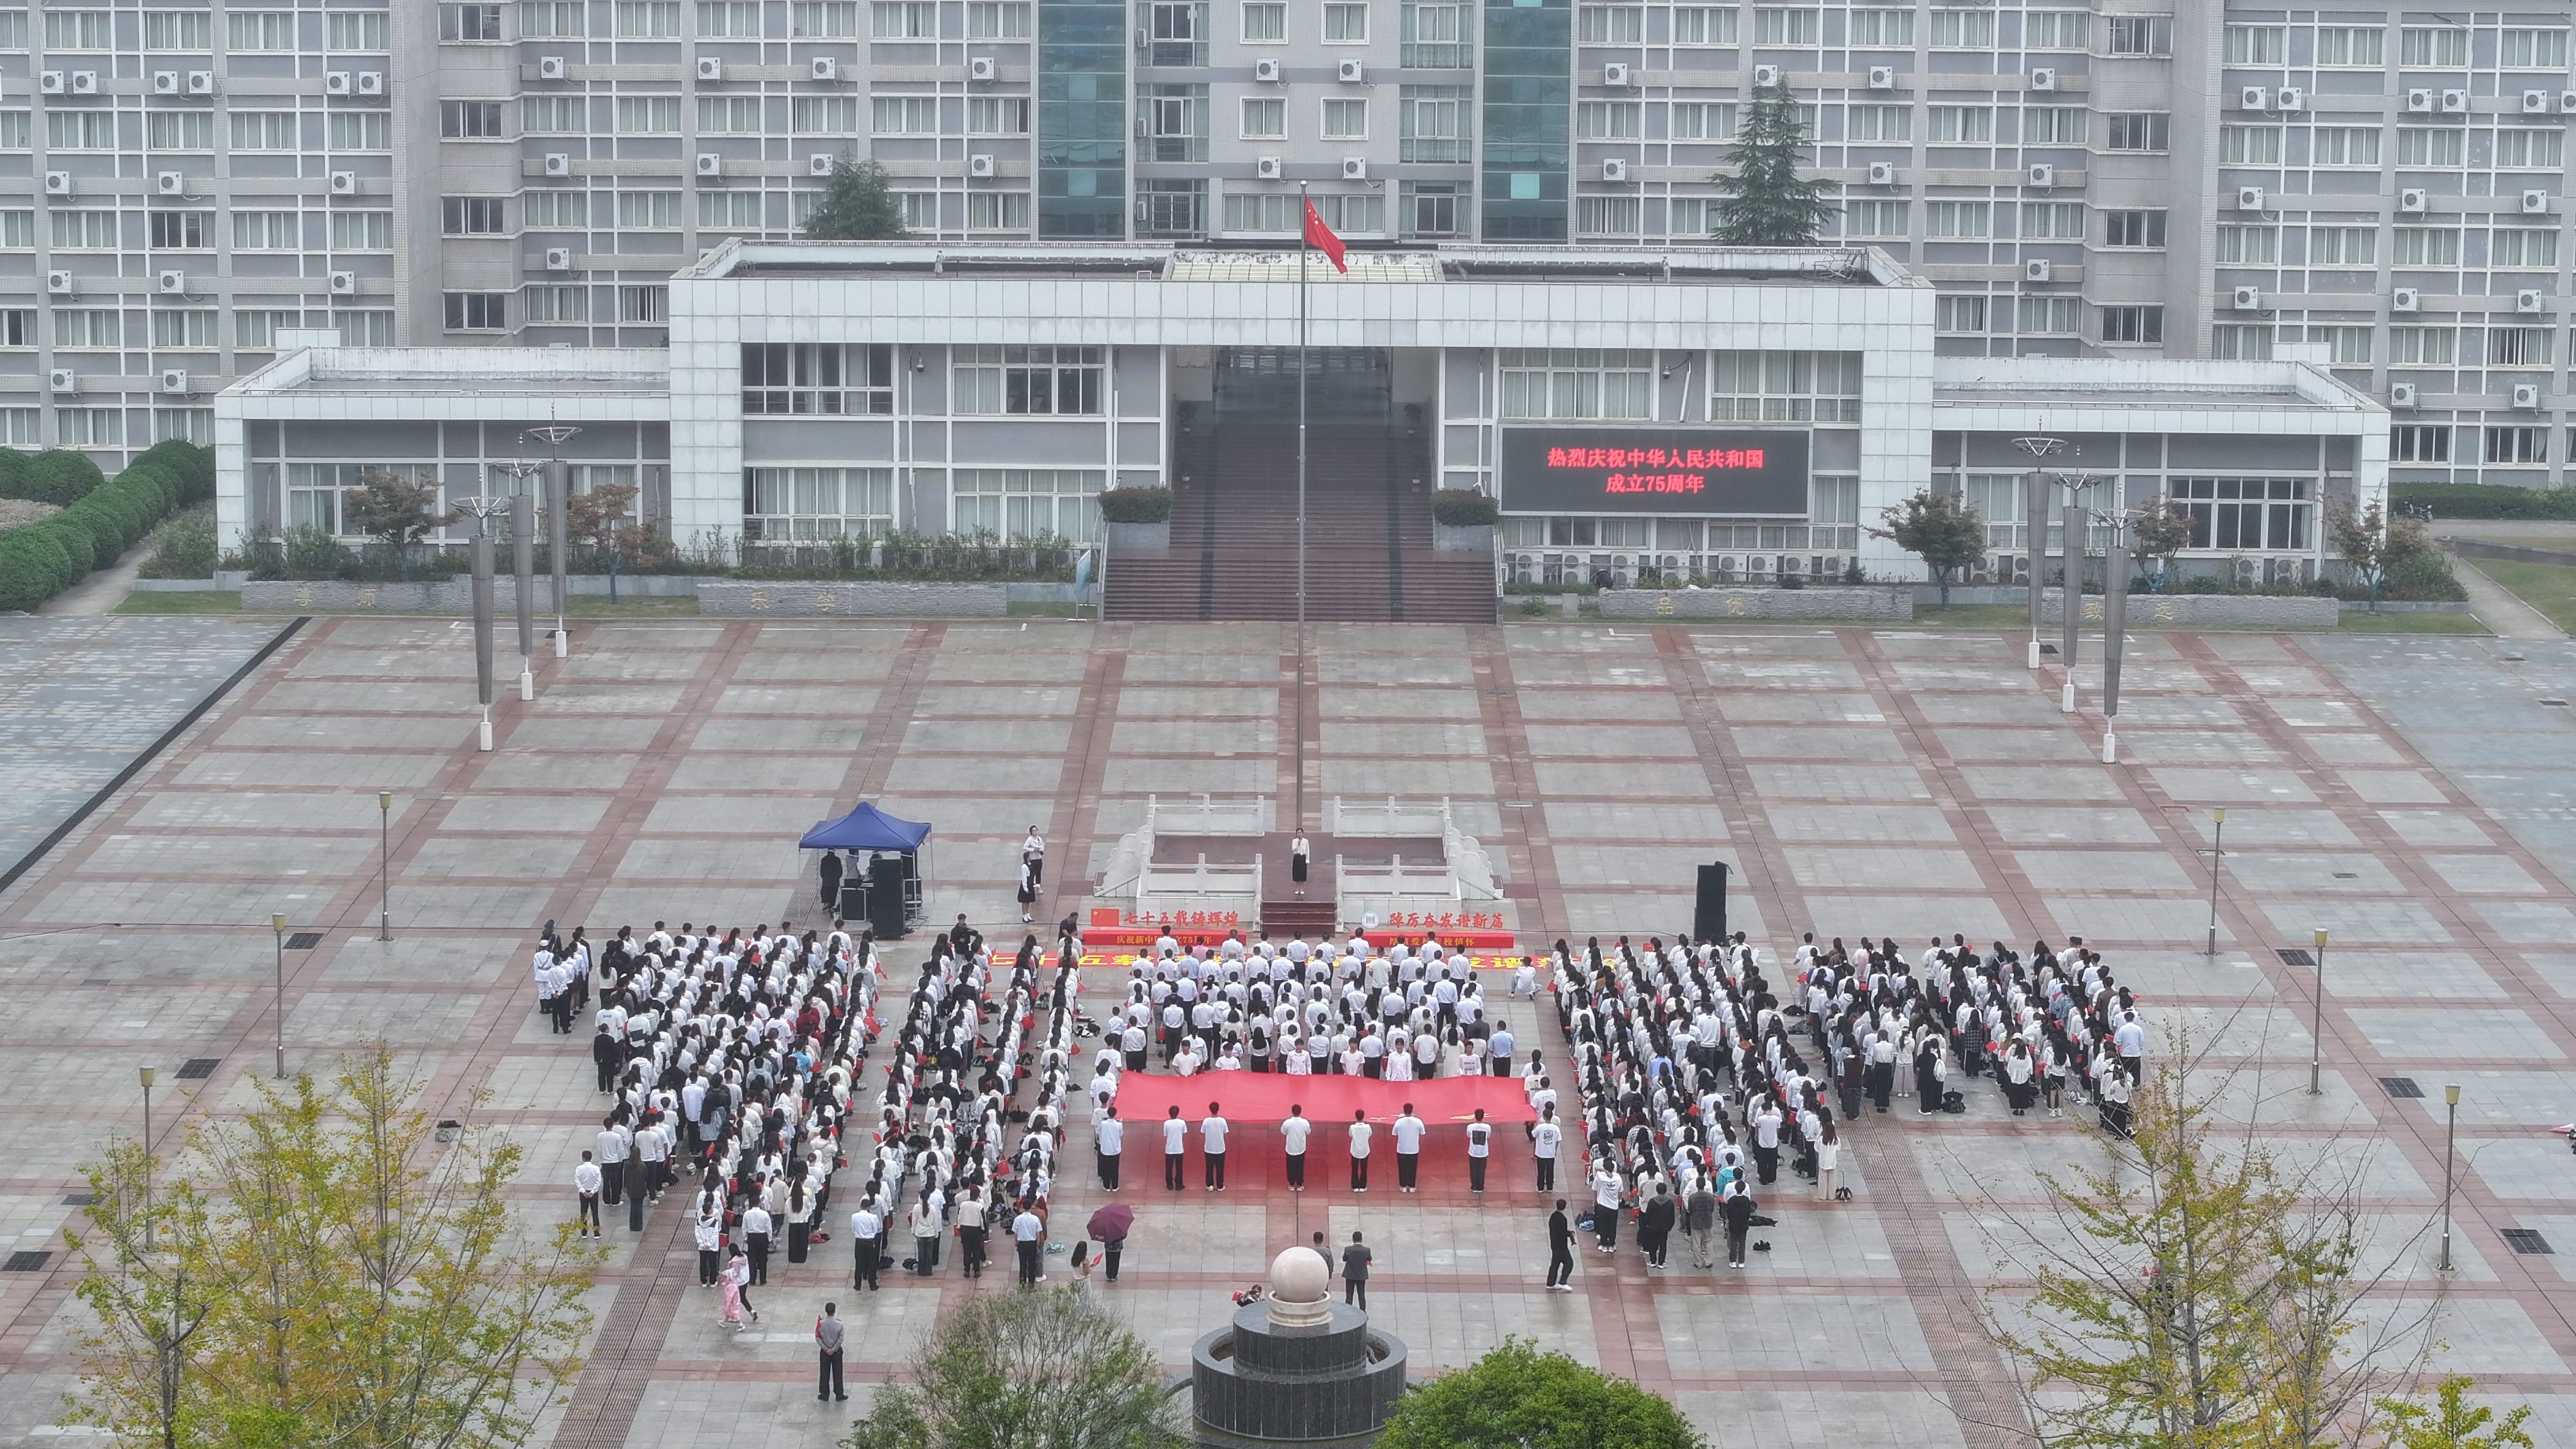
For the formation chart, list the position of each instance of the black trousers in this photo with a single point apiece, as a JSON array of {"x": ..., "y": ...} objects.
[
  {"x": 1560, "y": 1263},
  {"x": 1500, "y": 1066},
  {"x": 1215, "y": 1169},
  {"x": 590, "y": 1210},
  {"x": 1355, "y": 1292},
  {"x": 1359, "y": 1174},
  {"x": 970, "y": 1242},
  {"x": 1882, "y": 1083},
  {"x": 1296, "y": 1169},
  {"x": 1735, "y": 1243},
  {"x": 1408, "y": 1165},
  {"x": 1109, "y": 1252},
  {"x": 1547, "y": 1174},
  {"x": 1029, "y": 1262},
  {"x": 1476, "y": 1173},
  {"x": 612, "y": 1182},
  {"x": 1109, "y": 1171},
  {"x": 1135, "y": 1061},
  {"x": 757, "y": 1244},
  {"x": 1175, "y": 1175},
  {"x": 1766, "y": 1163},
  {"x": 827, "y": 1381},
  {"x": 1605, "y": 1225},
  {"x": 607, "y": 1075},
  {"x": 709, "y": 1259},
  {"x": 798, "y": 1235},
  {"x": 865, "y": 1254}
]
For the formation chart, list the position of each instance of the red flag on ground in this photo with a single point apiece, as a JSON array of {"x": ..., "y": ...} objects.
[{"x": 1321, "y": 238}]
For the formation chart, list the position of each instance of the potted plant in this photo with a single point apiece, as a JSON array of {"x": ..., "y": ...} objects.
[
  {"x": 1462, "y": 521},
  {"x": 1137, "y": 520}
]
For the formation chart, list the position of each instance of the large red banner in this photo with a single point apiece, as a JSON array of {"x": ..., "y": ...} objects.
[{"x": 1249, "y": 1098}]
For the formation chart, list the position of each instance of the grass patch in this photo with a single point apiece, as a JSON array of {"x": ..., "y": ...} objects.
[
  {"x": 1975, "y": 616},
  {"x": 1043, "y": 610},
  {"x": 2359, "y": 621},
  {"x": 206, "y": 601},
  {"x": 2550, "y": 588},
  {"x": 628, "y": 606}
]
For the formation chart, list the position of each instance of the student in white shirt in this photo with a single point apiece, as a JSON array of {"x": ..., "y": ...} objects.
[
  {"x": 1292, "y": 1136},
  {"x": 585, "y": 1186},
  {"x": 1408, "y": 1149},
  {"x": 1545, "y": 1134},
  {"x": 1212, "y": 1130},
  {"x": 1176, "y": 1138},
  {"x": 1361, "y": 1131},
  {"x": 1480, "y": 1147}
]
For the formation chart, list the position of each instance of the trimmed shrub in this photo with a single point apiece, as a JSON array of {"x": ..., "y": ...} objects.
[
  {"x": 13, "y": 473},
  {"x": 1136, "y": 505},
  {"x": 61, "y": 476},
  {"x": 193, "y": 467},
  {"x": 2485, "y": 500},
  {"x": 79, "y": 542},
  {"x": 153, "y": 485},
  {"x": 1464, "y": 508},
  {"x": 115, "y": 516},
  {"x": 101, "y": 518},
  {"x": 33, "y": 568},
  {"x": 183, "y": 548}
]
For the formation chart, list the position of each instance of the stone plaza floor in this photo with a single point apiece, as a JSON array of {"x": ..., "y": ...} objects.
[{"x": 2410, "y": 794}]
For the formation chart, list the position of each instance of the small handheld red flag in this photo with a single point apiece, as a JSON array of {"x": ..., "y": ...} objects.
[{"x": 1321, "y": 238}]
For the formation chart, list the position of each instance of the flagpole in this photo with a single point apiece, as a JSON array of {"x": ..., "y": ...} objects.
[{"x": 1305, "y": 208}]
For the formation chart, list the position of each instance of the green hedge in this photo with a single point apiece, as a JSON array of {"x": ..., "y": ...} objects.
[
  {"x": 2485, "y": 500},
  {"x": 1136, "y": 505},
  {"x": 1464, "y": 508},
  {"x": 100, "y": 519}
]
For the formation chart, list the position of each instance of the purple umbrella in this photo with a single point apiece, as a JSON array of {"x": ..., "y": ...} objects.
[{"x": 1110, "y": 1224}]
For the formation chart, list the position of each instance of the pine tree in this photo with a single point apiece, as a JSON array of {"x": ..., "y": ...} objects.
[
  {"x": 857, "y": 204},
  {"x": 1767, "y": 202}
]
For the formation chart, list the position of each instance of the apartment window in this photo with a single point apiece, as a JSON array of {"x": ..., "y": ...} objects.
[
  {"x": 649, "y": 303},
  {"x": 471, "y": 22},
  {"x": 1578, "y": 382},
  {"x": 2052, "y": 220},
  {"x": 2149, "y": 35},
  {"x": 84, "y": 230},
  {"x": 179, "y": 30},
  {"x": 828, "y": 19},
  {"x": 648, "y": 210},
  {"x": 1434, "y": 122},
  {"x": 2431, "y": 146},
  {"x": 353, "y": 29},
  {"x": 89, "y": 427},
  {"x": 1779, "y": 387},
  {"x": 80, "y": 30},
  {"x": 362, "y": 231},
  {"x": 997, "y": 115},
  {"x": 784, "y": 505},
  {"x": 80, "y": 130},
  {"x": 1621, "y": 216},
  {"x": 2133, "y": 228},
  {"x": 2133, "y": 324},
  {"x": 1431, "y": 209},
  {"x": 554, "y": 209},
  {"x": 1951, "y": 313},
  {"x": 267, "y": 231},
  {"x": 739, "y": 19},
  {"x": 2354, "y": 46},
  {"x": 1029, "y": 380},
  {"x": 2055, "y": 30},
  {"x": 1787, "y": 27},
  {"x": 189, "y": 327},
  {"x": 2053, "y": 125},
  {"x": 471, "y": 216},
  {"x": 2523, "y": 248},
  {"x": 89, "y": 327},
  {"x": 470, "y": 120},
  {"x": 18, "y": 425},
  {"x": 904, "y": 20},
  {"x": 647, "y": 19},
  {"x": 2344, "y": 146},
  {"x": 834, "y": 115},
  {"x": 2517, "y": 445},
  {"x": 729, "y": 115},
  {"x": 2049, "y": 316},
  {"x": 1175, "y": 119},
  {"x": 1261, "y": 211},
  {"x": 364, "y": 326},
  {"x": 1265, "y": 22},
  {"x": 13, "y": 30},
  {"x": 17, "y": 230},
  {"x": 2532, "y": 50},
  {"x": 783, "y": 379},
  {"x": 2519, "y": 346},
  {"x": 1605, "y": 120},
  {"x": 997, "y": 211},
  {"x": 904, "y": 115},
  {"x": 2343, "y": 246},
  {"x": 2249, "y": 246},
  {"x": 2249, "y": 145},
  {"x": 1957, "y": 220},
  {"x": 1610, "y": 24},
  {"x": 1878, "y": 123},
  {"x": 648, "y": 115},
  {"x": 17, "y": 131},
  {"x": 2533, "y": 150},
  {"x": 2246, "y": 513},
  {"x": 1028, "y": 502},
  {"x": 2347, "y": 346},
  {"x": 997, "y": 20},
  {"x": 18, "y": 327},
  {"x": 2423, "y": 346},
  {"x": 1265, "y": 118},
  {"x": 2139, "y": 132},
  {"x": 1705, "y": 25},
  {"x": 179, "y": 231},
  {"x": 2241, "y": 341},
  {"x": 556, "y": 115},
  {"x": 2425, "y": 46},
  {"x": 1703, "y": 120},
  {"x": 2426, "y": 246},
  {"x": 2419, "y": 443},
  {"x": 1172, "y": 208},
  {"x": 1963, "y": 30},
  {"x": 1961, "y": 125},
  {"x": 1345, "y": 24},
  {"x": 554, "y": 302},
  {"x": 1887, "y": 29},
  {"x": 2257, "y": 45},
  {"x": 360, "y": 131},
  {"x": 553, "y": 19},
  {"x": 1873, "y": 219}
]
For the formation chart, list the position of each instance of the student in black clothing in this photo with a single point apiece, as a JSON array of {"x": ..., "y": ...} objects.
[
  {"x": 1355, "y": 1272},
  {"x": 1560, "y": 1250},
  {"x": 1738, "y": 1212}
]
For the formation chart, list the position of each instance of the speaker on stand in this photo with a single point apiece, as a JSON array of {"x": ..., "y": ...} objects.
[{"x": 1708, "y": 916}]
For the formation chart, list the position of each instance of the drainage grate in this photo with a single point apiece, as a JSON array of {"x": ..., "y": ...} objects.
[
  {"x": 197, "y": 1069},
  {"x": 2295, "y": 956},
  {"x": 2527, "y": 1240},
  {"x": 80, "y": 1199},
  {"x": 304, "y": 940},
  {"x": 2347, "y": 875},
  {"x": 30, "y": 1260},
  {"x": 2401, "y": 1087}
]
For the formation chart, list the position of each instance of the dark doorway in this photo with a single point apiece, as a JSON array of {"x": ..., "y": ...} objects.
[{"x": 1343, "y": 384}]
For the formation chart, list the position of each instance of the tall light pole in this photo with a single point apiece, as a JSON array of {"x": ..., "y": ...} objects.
[
  {"x": 2217, "y": 853},
  {"x": 2115, "y": 630},
  {"x": 559, "y": 518},
  {"x": 2035, "y": 525},
  {"x": 145, "y": 1072},
  {"x": 2317, "y": 1026},
  {"x": 2071, "y": 616},
  {"x": 2450, "y": 1147},
  {"x": 482, "y": 510},
  {"x": 384, "y": 865},
  {"x": 278, "y": 924}
]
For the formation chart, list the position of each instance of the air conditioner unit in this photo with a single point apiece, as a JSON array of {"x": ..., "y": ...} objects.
[
  {"x": 174, "y": 283},
  {"x": 1353, "y": 71},
  {"x": 84, "y": 82},
  {"x": 1614, "y": 169},
  {"x": 338, "y": 83},
  {"x": 2043, "y": 175},
  {"x": 2043, "y": 78},
  {"x": 2291, "y": 98},
  {"x": 2527, "y": 300},
  {"x": 2419, "y": 100},
  {"x": 2249, "y": 299},
  {"x": 2254, "y": 98},
  {"x": 371, "y": 82},
  {"x": 50, "y": 82},
  {"x": 201, "y": 83},
  {"x": 344, "y": 183},
  {"x": 819, "y": 164},
  {"x": 982, "y": 68},
  {"x": 2455, "y": 102},
  {"x": 2405, "y": 299},
  {"x": 1355, "y": 168},
  {"x": 2535, "y": 202},
  {"x": 558, "y": 259},
  {"x": 1882, "y": 173},
  {"x": 2037, "y": 269},
  {"x": 1266, "y": 167},
  {"x": 710, "y": 164},
  {"x": 59, "y": 283},
  {"x": 980, "y": 164},
  {"x": 550, "y": 67},
  {"x": 2249, "y": 198},
  {"x": 558, "y": 163},
  {"x": 825, "y": 68},
  {"x": 170, "y": 183},
  {"x": 710, "y": 68},
  {"x": 2567, "y": 101},
  {"x": 2412, "y": 198},
  {"x": 1766, "y": 75},
  {"x": 165, "y": 82},
  {"x": 2401, "y": 394},
  {"x": 1265, "y": 71},
  {"x": 1882, "y": 77},
  {"x": 344, "y": 284},
  {"x": 58, "y": 183},
  {"x": 174, "y": 379},
  {"x": 2526, "y": 396},
  {"x": 2535, "y": 103},
  {"x": 65, "y": 380},
  {"x": 1614, "y": 74}
]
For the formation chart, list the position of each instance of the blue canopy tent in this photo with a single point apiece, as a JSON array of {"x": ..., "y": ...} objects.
[{"x": 887, "y": 887}]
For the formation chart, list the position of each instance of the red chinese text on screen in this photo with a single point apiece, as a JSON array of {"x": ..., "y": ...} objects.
[{"x": 1703, "y": 458}]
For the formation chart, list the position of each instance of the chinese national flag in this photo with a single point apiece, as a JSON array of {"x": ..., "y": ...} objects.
[{"x": 1321, "y": 238}]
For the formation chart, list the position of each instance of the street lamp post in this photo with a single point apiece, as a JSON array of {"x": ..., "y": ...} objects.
[
  {"x": 384, "y": 865},
  {"x": 278, "y": 924},
  {"x": 2450, "y": 1146},
  {"x": 2035, "y": 525},
  {"x": 559, "y": 518},
  {"x": 2317, "y": 1025},
  {"x": 482, "y": 509},
  {"x": 2217, "y": 853},
  {"x": 145, "y": 1073}
]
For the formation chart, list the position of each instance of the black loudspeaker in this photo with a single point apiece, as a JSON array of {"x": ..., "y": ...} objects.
[
  {"x": 885, "y": 896},
  {"x": 1708, "y": 920}
]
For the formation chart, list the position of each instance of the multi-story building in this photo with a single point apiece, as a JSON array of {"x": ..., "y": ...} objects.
[{"x": 2372, "y": 188}]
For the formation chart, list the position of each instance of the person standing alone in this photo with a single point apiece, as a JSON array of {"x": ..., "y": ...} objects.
[
  {"x": 1292, "y": 1136},
  {"x": 1176, "y": 1142},
  {"x": 1212, "y": 1130},
  {"x": 1560, "y": 1250},
  {"x": 1480, "y": 1148},
  {"x": 1355, "y": 1273},
  {"x": 828, "y": 1335}
]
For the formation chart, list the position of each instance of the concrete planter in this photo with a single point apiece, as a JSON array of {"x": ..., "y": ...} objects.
[
  {"x": 828, "y": 599},
  {"x": 1137, "y": 537},
  {"x": 1463, "y": 538},
  {"x": 1882, "y": 604},
  {"x": 2212, "y": 611},
  {"x": 330, "y": 596}
]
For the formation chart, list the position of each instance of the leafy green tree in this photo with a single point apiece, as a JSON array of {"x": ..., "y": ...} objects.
[
  {"x": 1939, "y": 528},
  {"x": 599, "y": 519},
  {"x": 1035, "y": 1370},
  {"x": 2373, "y": 546},
  {"x": 1516, "y": 1397},
  {"x": 858, "y": 204},
  {"x": 2450, "y": 1423},
  {"x": 2160, "y": 532},
  {"x": 395, "y": 510},
  {"x": 1767, "y": 202}
]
